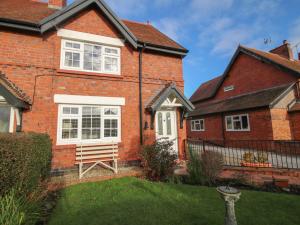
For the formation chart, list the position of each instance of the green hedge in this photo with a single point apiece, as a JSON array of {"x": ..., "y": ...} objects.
[{"x": 25, "y": 160}]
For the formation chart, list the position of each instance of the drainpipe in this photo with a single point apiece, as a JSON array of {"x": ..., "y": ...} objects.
[
  {"x": 140, "y": 92},
  {"x": 223, "y": 128}
]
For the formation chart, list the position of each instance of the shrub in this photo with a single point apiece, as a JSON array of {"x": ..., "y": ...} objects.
[
  {"x": 249, "y": 157},
  {"x": 204, "y": 169},
  {"x": 15, "y": 209},
  {"x": 262, "y": 157},
  {"x": 25, "y": 160},
  {"x": 158, "y": 160}
]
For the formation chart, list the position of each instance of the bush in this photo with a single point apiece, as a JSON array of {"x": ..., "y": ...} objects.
[
  {"x": 204, "y": 169},
  {"x": 158, "y": 160},
  {"x": 17, "y": 210},
  {"x": 25, "y": 160}
]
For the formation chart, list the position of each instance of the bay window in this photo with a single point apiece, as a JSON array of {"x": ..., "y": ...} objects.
[
  {"x": 88, "y": 124},
  {"x": 81, "y": 56},
  {"x": 237, "y": 123}
]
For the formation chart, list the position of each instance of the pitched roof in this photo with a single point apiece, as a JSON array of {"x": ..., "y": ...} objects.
[
  {"x": 9, "y": 90},
  {"x": 25, "y": 10},
  {"x": 206, "y": 90},
  {"x": 209, "y": 89},
  {"x": 164, "y": 93},
  {"x": 293, "y": 65},
  {"x": 262, "y": 98},
  {"x": 148, "y": 34},
  {"x": 38, "y": 17}
]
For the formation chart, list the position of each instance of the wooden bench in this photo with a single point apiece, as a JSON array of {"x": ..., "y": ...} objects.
[{"x": 96, "y": 154}]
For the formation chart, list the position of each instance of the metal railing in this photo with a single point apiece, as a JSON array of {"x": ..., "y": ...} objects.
[{"x": 251, "y": 153}]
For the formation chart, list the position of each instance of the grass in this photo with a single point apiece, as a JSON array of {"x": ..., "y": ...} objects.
[{"x": 131, "y": 201}]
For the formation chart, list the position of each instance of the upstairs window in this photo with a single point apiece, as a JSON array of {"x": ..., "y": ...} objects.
[
  {"x": 197, "y": 125},
  {"x": 237, "y": 123},
  {"x": 90, "y": 57}
]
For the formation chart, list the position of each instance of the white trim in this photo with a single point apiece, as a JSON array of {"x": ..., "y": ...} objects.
[
  {"x": 89, "y": 100},
  {"x": 81, "y": 36},
  {"x": 12, "y": 120},
  {"x": 240, "y": 117},
  {"x": 78, "y": 140},
  {"x": 198, "y": 120}
]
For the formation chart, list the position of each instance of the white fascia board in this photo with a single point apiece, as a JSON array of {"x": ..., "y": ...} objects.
[
  {"x": 81, "y": 36},
  {"x": 88, "y": 100}
]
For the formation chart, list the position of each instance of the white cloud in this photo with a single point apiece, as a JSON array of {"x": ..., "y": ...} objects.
[
  {"x": 171, "y": 27},
  {"x": 125, "y": 8},
  {"x": 294, "y": 36}
]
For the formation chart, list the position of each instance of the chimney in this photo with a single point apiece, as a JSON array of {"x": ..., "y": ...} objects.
[
  {"x": 57, "y": 4},
  {"x": 284, "y": 50}
]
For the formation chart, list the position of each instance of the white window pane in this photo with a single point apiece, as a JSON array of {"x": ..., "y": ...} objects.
[
  {"x": 88, "y": 65},
  {"x": 96, "y": 67},
  {"x": 111, "y": 64},
  {"x": 111, "y": 51},
  {"x": 245, "y": 122},
  {"x": 110, "y": 111},
  {"x": 86, "y": 134},
  {"x": 4, "y": 119},
  {"x": 66, "y": 110},
  {"x": 160, "y": 123},
  {"x": 96, "y": 111},
  {"x": 74, "y": 111},
  {"x": 229, "y": 123},
  {"x": 169, "y": 129},
  {"x": 86, "y": 111},
  {"x": 237, "y": 125}
]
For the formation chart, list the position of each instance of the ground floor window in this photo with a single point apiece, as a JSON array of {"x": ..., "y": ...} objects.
[
  {"x": 6, "y": 120},
  {"x": 237, "y": 123},
  {"x": 87, "y": 124},
  {"x": 197, "y": 125}
]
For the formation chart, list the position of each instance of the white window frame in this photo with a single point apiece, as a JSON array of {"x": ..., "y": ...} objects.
[
  {"x": 81, "y": 52},
  {"x": 240, "y": 119},
  {"x": 79, "y": 140},
  {"x": 193, "y": 127},
  {"x": 228, "y": 88}
]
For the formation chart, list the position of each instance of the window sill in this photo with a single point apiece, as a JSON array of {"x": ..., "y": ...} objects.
[
  {"x": 64, "y": 143},
  {"x": 75, "y": 72}
]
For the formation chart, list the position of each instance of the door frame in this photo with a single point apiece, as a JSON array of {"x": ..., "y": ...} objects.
[{"x": 173, "y": 112}]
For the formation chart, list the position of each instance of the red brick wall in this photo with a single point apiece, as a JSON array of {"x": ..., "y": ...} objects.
[
  {"x": 32, "y": 62},
  {"x": 260, "y": 127},
  {"x": 249, "y": 74},
  {"x": 295, "y": 125},
  {"x": 213, "y": 128}
]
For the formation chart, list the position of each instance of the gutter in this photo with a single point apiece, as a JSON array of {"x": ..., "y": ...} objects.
[
  {"x": 140, "y": 92},
  {"x": 19, "y": 25}
]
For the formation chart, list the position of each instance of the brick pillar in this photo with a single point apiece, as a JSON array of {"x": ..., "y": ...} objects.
[{"x": 57, "y": 4}]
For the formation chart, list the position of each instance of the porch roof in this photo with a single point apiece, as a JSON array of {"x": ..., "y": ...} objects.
[
  {"x": 161, "y": 97},
  {"x": 13, "y": 94}
]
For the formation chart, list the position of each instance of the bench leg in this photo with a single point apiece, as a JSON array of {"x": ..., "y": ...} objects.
[
  {"x": 116, "y": 166},
  {"x": 80, "y": 170}
]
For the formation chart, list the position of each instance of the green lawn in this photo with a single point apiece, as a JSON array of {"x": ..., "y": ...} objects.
[{"x": 137, "y": 202}]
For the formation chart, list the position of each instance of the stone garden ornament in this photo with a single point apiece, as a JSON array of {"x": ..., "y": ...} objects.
[{"x": 230, "y": 196}]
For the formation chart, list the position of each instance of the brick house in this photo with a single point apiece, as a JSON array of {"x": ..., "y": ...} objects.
[
  {"x": 82, "y": 75},
  {"x": 257, "y": 98}
]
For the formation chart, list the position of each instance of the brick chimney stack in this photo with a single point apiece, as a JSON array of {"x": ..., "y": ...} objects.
[
  {"x": 284, "y": 50},
  {"x": 57, "y": 4}
]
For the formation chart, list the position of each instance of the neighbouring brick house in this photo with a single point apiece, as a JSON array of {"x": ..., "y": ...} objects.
[
  {"x": 82, "y": 75},
  {"x": 257, "y": 98}
]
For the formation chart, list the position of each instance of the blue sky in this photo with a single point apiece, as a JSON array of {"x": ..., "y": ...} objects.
[{"x": 212, "y": 29}]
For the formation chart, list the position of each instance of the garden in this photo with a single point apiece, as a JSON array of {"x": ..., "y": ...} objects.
[{"x": 159, "y": 197}]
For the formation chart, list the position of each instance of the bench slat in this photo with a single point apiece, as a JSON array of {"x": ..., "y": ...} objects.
[
  {"x": 99, "y": 144},
  {"x": 95, "y": 148},
  {"x": 96, "y": 152},
  {"x": 97, "y": 156}
]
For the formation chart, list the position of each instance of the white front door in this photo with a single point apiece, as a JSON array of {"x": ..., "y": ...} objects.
[{"x": 166, "y": 127}]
